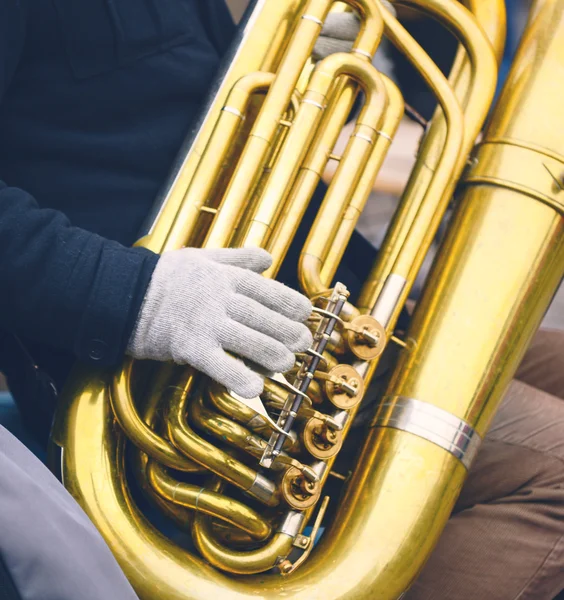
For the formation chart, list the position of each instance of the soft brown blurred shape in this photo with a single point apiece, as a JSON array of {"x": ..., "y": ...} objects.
[{"x": 237, "y": 7}]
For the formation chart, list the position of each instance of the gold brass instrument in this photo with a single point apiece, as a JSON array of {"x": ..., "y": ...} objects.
[{"x": 250, "y": 499}]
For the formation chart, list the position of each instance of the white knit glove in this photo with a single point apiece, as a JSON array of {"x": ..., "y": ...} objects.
[
  {"x": 201, "y": 304},
  {"x": 339, "y": 32}
]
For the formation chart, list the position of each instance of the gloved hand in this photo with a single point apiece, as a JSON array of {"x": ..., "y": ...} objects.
[
  {"x": 339, "y": 32},
  {"x": 201, "y": 304}
]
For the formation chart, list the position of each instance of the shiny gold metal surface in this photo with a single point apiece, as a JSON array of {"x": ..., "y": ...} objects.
[
  {"x": 344, "y": 386},
  {"x": 246, "y": 178}
]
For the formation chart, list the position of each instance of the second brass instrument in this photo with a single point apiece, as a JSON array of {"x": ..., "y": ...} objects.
[{"x": 251, "y": 499}]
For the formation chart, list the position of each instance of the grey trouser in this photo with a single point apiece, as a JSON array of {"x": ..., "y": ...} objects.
[
  {"x": 505, "y": 539},
  {"x": 48, "y": 546}
]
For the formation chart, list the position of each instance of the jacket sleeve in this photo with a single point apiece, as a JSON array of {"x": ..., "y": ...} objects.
[{"x": 59, "y": 284}]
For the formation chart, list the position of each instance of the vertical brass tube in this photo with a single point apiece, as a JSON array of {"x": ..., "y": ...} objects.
[
  {"x": 262, "y": 54},
  {"x": 342, "y": 188},
  {"x": 423, "y": 204},
  {"x": 264, "y": 129},
  {"x": 334, "y": 118},
  {"x": 363, "y": 188},
  {"x": 218, "y": 147}
]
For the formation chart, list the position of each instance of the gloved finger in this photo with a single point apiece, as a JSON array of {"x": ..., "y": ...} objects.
[
  {"x": 276, "y": 296},
  {"x": 326, "y": 46},
  {"x": 295, "y": 336},
  {"x": 341, "y": 26},
  {"x": 233, "y": 373},
  {"x": 257, "y": 347},
  {"x": 254, "y": 259}
]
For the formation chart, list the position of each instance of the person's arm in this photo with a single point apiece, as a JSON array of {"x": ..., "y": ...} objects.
[
  {"x": 65, "y": 286},
  {"x": 60, "y": 284},
  {"x": 76, "y": 290}
]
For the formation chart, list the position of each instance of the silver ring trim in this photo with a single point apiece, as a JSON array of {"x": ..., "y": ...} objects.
[
  {"x": 362, "y": 53},
  {"x": 202, "y": 490},
  {"x": 430, "y": 423},
  {"x": 366, "y": 138},
  {"x": 233, "y": 111},
  {"x": 292, "y": 523},
  {"x": 313, "y": 19},
  {"x": 263, "y": 490},
  {"x": 313, "y": 103},
  {"x": 384, "y": 135}
]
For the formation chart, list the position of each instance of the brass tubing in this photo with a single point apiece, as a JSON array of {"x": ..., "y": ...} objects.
[
  {"x": 276, "y": 102},
  {"x": 261, "y": 54},
  {"x": 341, "y": 101},
  {"x": 208, "y": 502},
  {"x": 133, "y": 426},
  {"x": 281, "y": 179},
  {"x": 348, "y": 174},
  {"x": 263, "y": 132},
  {"x": 228, "y": 406},
  {"x": 296, "y": 146},
  {"x": 429, "y": 215},
  {"x": 217, "y": 149},
  {"x": 423, "y": 204},
  {"x": 149, "y": 411},
  {"x": 182, "y": 517},
  {"x": 225, "y": 429},
  {"x": 363, "y": 189},
  {"x": 236, "y": 561},
  {"x": 208, "y": 455}
]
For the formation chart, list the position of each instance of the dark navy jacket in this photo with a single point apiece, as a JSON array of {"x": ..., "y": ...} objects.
[{"x": 96, "y": 97}]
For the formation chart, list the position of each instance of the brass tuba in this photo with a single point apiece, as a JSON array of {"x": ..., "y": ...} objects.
[{"x": 249, "y": 491}]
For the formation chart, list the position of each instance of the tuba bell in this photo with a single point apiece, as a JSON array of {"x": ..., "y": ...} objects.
[{"x": 202, "y": 495}]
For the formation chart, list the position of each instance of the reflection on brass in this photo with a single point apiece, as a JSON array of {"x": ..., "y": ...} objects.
[{"x": 245, "y": 178}]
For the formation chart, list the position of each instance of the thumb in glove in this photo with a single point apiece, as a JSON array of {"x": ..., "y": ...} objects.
[{"x": 340, "y": 31}]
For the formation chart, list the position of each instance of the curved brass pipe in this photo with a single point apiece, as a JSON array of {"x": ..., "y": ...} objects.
[
  {"x": 356, "y": 157},
  {"x": 263, "y": 132},
  {"x": 241, "y": 563},
  {"x": 264, "y": 129},
  {"x": 149, "y": 408},
  {"x": 214, "y": 459},
  {"x": 208, "y": 502},
  {"x": 183, "y": 517},
  {"x": 422, "y": 205},
  {"x": 334, "y": 118},
  {"x": 133, "y": 426},
  {"x": 363, "y": 189}
]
